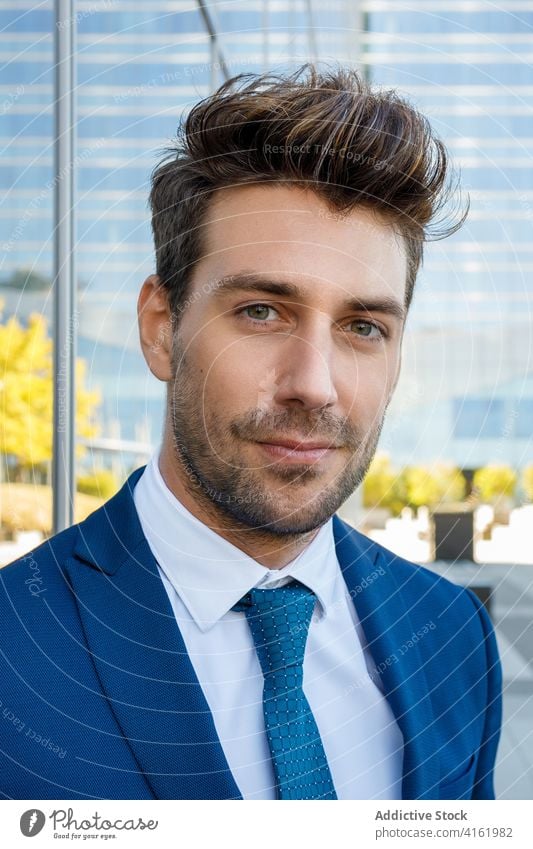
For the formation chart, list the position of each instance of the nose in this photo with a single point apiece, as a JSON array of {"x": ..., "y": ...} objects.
[{"x": 304, "y": 375}]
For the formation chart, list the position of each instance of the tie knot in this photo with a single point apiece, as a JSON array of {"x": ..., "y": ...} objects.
[{"x": 279, "y": 620}]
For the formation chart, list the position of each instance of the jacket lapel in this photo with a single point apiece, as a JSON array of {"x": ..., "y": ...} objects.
[
  {"x": 141, "y": 658},
  {"x": 151, "y": 685},
  {"x": 383, "y": 606}
]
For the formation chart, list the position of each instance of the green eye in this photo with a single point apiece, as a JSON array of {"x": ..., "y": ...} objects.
[
  {"x": 257, "y": 311},
  {"x": 363, "y": 328}
]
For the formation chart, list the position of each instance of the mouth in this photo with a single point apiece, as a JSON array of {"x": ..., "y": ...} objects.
[{"x": 290, "y": 450}]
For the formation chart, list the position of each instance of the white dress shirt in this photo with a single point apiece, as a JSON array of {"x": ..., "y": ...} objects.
[{"x": 204, "y": 576}]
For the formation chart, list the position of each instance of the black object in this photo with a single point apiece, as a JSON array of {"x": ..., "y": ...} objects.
[
  {"x": 484, "y": 594},
  {"x": 454, "y": 534}
]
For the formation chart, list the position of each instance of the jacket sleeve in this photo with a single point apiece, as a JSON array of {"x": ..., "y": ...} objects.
[{"x": 484, "y": 781}]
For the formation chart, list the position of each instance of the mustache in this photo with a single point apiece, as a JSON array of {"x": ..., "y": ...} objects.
[{"x": 259, "y": 425}]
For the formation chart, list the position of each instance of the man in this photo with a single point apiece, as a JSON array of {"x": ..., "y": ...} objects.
[{"x": 215, "y": 631}]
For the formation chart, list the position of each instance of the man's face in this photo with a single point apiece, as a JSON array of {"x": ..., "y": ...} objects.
[{"x": 291, "y": 333}]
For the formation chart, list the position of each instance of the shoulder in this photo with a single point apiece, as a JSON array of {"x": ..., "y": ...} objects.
[
  {"x": 102, "y": 538},
  {"x": 460, "y": 627},
  {"x": 29, "y": 571},
  {"x": 419, "y": 589}
]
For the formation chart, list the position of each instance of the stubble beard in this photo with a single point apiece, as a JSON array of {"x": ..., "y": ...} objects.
[{"x": 239, "y": 497}]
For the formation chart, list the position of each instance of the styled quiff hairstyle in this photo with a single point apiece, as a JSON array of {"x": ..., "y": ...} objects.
[{"x": 329, "y": 131}]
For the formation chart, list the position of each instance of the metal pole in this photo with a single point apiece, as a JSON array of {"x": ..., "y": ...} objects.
[
  {"x": 210, "y": 27},
  {"x": 213, "y": 61},
  {"x": 311, "y": 32},
  {"x": 266, "y": 36},
  {"x": 64, "y": 272}
]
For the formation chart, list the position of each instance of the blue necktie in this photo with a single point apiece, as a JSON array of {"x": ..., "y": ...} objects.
[{"x": 279, "y": 621}]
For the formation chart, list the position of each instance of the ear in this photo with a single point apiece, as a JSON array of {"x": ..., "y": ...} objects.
[{"x": 155, "y": 327}]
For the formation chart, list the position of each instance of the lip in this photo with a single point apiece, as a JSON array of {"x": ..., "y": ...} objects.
[{"x": 303, "y": 452}]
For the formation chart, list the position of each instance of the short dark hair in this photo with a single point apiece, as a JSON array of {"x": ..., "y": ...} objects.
[{"x": 325, "y": 130}]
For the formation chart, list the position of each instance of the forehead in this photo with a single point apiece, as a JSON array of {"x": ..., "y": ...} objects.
[{"x": 283, "y": 229}]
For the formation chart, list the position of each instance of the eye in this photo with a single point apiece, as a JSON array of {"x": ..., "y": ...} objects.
[
  {"x": 258, "y": 312},
  {"x": 366, "y": 329}
]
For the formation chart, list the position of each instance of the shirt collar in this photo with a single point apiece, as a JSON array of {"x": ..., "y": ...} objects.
[{"x": 211, "y": 574}]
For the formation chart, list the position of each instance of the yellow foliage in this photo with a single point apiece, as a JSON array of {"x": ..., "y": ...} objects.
[
  {"x": 28, "y": 507},
  {"x": 527, "y": 481},
  {"x": 102, "y": 483},
  {"x": 383, "y": 486},
  {"x": 437, "y": 483},
  {"x": 415, "y": 486},
  {"x": 26, "y": 393},
  {"x": 494, "y": 481}
]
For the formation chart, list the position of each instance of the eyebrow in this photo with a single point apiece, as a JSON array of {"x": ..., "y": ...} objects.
[{"x": 253, "y": 282}]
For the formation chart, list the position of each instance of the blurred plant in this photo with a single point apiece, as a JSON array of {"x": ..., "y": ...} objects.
[
  {"x": 28, "y": 280},
  {"x": 383, "y": 486},
  {"x": 28, "y": 507},
  {"x": 493, "y": 482},
  {"x": 527, "y": 482},
  {"x": 26, "y": 384},
  {"x": 429, "y": 486},
  {"x": 102, "y": 483}
]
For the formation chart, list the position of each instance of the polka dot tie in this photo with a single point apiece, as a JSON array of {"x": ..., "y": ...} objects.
[{"x": 279, "y": 621}]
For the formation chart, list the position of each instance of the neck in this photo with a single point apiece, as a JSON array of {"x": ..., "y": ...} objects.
[{"x": 271, "y": 551}]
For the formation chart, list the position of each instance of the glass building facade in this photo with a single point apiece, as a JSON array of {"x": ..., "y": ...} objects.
[
  {"x": 139, "y": 67},
  {"x": 466, "y": 392},
  {"x": 467, "y": 389}
]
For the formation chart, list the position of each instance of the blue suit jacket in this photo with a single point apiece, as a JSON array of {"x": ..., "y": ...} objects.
[{"x": 99, "y": 698}]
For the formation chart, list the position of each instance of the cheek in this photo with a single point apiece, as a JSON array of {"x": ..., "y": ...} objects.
[
  {"x": 366, "y": 389},
  {"x": 230, "y": 376}
]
